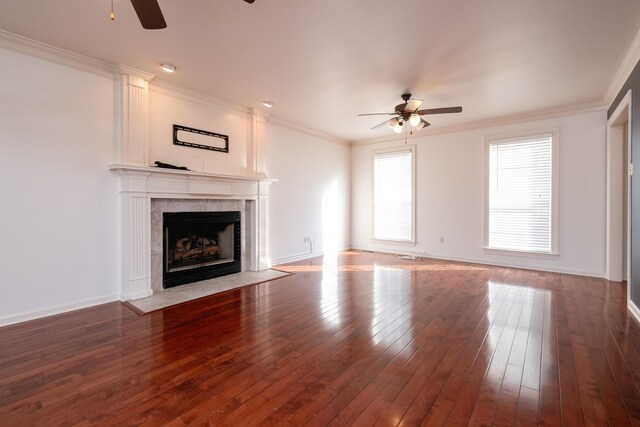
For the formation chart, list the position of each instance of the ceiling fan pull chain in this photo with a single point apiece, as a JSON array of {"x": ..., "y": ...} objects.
[{"x": 112, "y": 15}]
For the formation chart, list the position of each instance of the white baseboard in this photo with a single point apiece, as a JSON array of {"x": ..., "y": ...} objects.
[
  {"x": 633, "y": 310},
  {"x": 598, "y": 274},
  {"x": 301, "y": 257},
  {"x": 388, "y": 250},
  {"x": 136, "y": 295},
  {"x": 294, "y": 258},
  {"x": 10, "y": 320}
]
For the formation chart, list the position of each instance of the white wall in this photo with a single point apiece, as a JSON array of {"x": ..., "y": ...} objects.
[
  {"x": 167, "y": 107},
  {"x": 450, "y": 173},
  {"x": 311, "y": 197},
  {"x": 59, "y": 216},
  {"x": 59, "y": 219}
]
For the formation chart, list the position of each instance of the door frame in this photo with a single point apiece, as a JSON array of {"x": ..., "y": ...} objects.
[{"x": 615, "y": 139}]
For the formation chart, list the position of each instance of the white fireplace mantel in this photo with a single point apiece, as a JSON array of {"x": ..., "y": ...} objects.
[{"x": 140, "y": 184}]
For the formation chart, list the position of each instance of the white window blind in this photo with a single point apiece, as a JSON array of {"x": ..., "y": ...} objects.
[
  {"x": 520, "y": 185},
  {"x": 393, "y": 195}
]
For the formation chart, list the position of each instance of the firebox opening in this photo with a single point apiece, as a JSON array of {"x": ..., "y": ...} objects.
[{"x": 200, "y": 245}]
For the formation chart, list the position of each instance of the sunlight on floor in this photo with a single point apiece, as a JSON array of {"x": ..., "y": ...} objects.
[
  {"x": 418, "y": 266},
  {"x": 330, "y": 300},
  {"x": 391, "y": 291}
]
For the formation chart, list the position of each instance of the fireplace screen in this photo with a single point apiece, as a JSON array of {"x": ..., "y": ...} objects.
[{"x": 200, "y": 245}]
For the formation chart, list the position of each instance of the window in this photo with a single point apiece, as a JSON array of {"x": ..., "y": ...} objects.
[
  {"x": 521, "y": 196},
  {"x": 393, "y": 195}
]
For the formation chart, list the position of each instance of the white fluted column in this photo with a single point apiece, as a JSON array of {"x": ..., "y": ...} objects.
[{"x": 133, "y": 146}]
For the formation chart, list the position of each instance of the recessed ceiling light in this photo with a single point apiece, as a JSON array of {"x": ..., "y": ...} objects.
[
  {"x": 267, "y": 104},
  {"x": 168, "y": 67}
]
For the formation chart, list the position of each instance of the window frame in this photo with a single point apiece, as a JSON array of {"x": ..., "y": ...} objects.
[
  {"x": 374, "y": 153},
  {"x": 555, "y": 178}
]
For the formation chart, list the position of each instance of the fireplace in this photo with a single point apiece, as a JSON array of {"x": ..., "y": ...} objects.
[
  {"x": 148, "y": 193},
  {"x": 199, "y": 246}
]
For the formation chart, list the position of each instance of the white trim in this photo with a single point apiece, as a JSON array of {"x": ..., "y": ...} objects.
[
  {"x": 550, "y": 113},
  {"x": 555, "y": 188},
  {"x": 9, "y": 320},
  {"x": 633, "y": 310},
  {"x": 523, "y": 254},
  {"x": 624, "y": 105},
  {"x": 629, "y": 62},
  {"x": 388, "y": 250},
  {"x": 139, "y": 185},
  {"x": 57, "y": 55},
  {"x": 136, "y": 295},
  {"x": 588, "y": 273},
  {"x": 192, "y": 174},
  {"x": 294, "y": 258},
  {"x": 413, "y": 149},
  {"x": 304, "y": 256},
  {"x": 395, "y": 242},
  {"x": 134, "y": 72},
  {"x": 291, "y": 126},
  {"x": 160, "y": 86},
  {"x": 399, "y": 251},
  {"x": 44, "y": 51},
  {"x": 54, "y": 54}
]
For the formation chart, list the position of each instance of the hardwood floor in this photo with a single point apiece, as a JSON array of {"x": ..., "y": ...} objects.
[{"x": 370, "y": 340}]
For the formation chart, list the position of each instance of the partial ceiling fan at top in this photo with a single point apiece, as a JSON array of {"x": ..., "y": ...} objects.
[
  {"x": 408, "y": 112},
  {"x": 150, "y": 15}
]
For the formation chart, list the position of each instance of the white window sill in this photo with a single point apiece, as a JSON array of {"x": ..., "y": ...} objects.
[{"x": 524, "y": 254}]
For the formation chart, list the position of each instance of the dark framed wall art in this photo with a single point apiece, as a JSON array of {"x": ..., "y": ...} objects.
[{"x": 196, "y": 138}]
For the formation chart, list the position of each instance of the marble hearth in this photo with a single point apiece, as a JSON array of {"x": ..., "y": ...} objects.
[{"x": 147, "y": 192}]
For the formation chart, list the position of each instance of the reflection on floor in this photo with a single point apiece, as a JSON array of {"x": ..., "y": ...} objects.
[{"x": 360, "y": 338}]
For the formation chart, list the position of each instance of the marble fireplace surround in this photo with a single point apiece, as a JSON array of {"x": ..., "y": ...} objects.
[{"x": 147, "y": 192}]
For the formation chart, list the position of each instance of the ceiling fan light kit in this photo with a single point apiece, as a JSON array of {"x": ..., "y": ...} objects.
[{"x": 408, "y": 112}]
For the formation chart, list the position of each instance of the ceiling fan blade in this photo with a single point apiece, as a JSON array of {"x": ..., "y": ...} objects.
[
  {"x": 250, "y": 1},
  {"x": 149, "y": 13},
  {"x": 423, "y": 124},
  {"x": 400, "y": 107},
  {"x": 413, "y": 105},
  {"x": 380, "y": 125},
  {"x": 377, "y": 114},
  {"x": 440, "y": 110}
]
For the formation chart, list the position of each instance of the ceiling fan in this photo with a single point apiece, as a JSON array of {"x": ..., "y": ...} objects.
[
  {"x": 150, "y": 15},
  {"x": 408, "y": 112}
]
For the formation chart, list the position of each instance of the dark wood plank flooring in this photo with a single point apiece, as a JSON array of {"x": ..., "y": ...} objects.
[{"x": 371, "y": 339}]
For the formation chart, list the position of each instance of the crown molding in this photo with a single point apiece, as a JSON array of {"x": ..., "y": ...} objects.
[
  {"x": 629, "y": 62},
  {"x": 51, "y": 53},
  {"x": 166, "y": 88},
  {"x": 125, "y": 69},
  {"x": 276, "y": 121},
  {"x": 549, "y": 113}
]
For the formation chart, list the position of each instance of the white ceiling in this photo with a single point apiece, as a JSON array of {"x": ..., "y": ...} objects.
[{"x": 322, "y": 62}]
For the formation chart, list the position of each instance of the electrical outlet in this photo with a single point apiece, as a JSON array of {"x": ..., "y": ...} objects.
[{"x": 441, "y": 239}]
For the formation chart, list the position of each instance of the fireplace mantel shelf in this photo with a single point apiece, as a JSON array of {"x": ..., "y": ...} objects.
[
  {"x": 164, "y": 171},
  {"x": 175, "y": 183}
]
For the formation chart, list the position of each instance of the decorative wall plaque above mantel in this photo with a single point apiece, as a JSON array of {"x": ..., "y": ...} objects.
[{"x": 196, "y": 138}]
